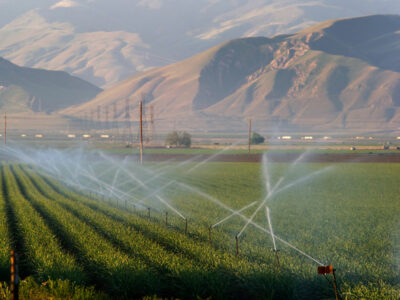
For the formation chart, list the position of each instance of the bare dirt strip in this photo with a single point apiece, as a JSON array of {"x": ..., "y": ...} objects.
[{"x": 279, "y": 157}]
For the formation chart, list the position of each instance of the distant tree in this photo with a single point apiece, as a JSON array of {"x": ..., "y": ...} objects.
[
  {"x": 178, "y": 139},
  {"x": 172, "y": 139},
  {"x": 257, "y": 138},
  {"x": 185, "y": 139}
]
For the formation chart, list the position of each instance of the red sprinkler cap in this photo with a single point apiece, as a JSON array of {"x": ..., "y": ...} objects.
[{"x": 325, "y": 270}]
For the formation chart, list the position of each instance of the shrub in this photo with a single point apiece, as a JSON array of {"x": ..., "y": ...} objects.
[
  {"x": 179, "y": 139},
  {"x": 257, "y": 138}
]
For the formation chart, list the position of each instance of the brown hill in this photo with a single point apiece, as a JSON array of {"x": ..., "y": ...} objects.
[
  {"x": 36, "y": 90},
  {"x": 341, "y": 74}
]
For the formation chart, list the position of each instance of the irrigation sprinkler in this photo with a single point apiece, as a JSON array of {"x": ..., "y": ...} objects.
[
  {"x": 276, "y": 186},
  {"x": 166, "y": 218},
  {"x": 221, "y": 204},
  {"x": 148, "y": 212},
  {"x": 323, "y": 270},
  {"x": 113, "y": 190},
  {"x": 273, "y": 238},
  {"x": 237, "y": 245},
  {"x": 278, "y": 265}
]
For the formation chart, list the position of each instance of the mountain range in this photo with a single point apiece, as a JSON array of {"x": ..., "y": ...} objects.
[
  {"x": 24, "y": 90},
  {"x": 104, "y": 41},
  {"x": 340, "y": 74}
]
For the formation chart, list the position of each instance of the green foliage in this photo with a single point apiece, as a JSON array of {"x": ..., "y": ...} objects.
[
  {"x": 71, "y": 241},
  {"x": 179, "y": 139},
  {"x": 37, "y": 245},
  {"x": 256, "y": 139},
  {"x": 29, "y": 288}
]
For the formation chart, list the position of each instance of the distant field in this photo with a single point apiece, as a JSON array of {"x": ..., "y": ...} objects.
[{"x": 345, "y": 214}]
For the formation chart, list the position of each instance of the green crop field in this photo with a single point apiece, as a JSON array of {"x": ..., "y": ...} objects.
[{"x": 73, "y": 243}]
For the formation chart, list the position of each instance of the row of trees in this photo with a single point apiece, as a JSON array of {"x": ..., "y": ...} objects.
[{"x": 184, "y": 139}]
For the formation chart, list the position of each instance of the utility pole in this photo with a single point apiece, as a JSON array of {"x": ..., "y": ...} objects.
[
  {"x": 249, "y": 135},
  {"x": 141, "y": 130}
]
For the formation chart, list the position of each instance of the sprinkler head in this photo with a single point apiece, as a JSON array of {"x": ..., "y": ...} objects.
[{"x": 322, "y": 270}]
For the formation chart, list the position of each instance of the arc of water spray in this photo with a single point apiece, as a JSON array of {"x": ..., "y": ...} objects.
[
  {"x": 106, "y": 185},
  {"x": 299, "y": 159},
  {"x": 157, "y": 191},
  {"x": 270, "y": 227},
  {"x": 124, "y": 170},
  {"x": 78, "y": 169},
  {"x": 221, "y": 204},
  {"x": 154, "y": 193},
  {"x": 301, "y": 180},
  {"x": 79, "y": 186},
  {"x": 260, "y": 206},
  {"x": 234, "y": 214},
  {"x": 211, "y": 157},
  {"x": 266, "y": 173},
  {"x": 118, "y": 172},
  {"x": 161, "y": 174},
  {"x": 115, "y": 177},
  {"x": 170, "y": 207}
]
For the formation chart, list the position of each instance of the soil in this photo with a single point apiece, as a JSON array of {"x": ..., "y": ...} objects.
[{"x": 280, "y": 157}]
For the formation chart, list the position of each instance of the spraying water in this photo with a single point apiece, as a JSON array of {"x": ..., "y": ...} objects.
[
  {"x": 212, "y": 157},
  {"x": 260, "y": 206},
  {"x": 84, "y": 171},
  {"x": 234, "y": 214},
  {"x": 221, "y": 204},
  {"x": 270, "y": 227}
]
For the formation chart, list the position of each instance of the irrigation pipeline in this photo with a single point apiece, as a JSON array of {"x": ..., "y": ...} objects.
[{"x": 251, "y": 222}]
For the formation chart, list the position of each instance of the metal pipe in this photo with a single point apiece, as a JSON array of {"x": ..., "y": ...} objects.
[
  {"x": 335, "y": 285},
  {"x": 278, "y": 265},
  {"x": 237, "y": 245}
]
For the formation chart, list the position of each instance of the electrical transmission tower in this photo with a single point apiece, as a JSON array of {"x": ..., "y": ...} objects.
[
  {"x": 115, "y": 125},
  {"x": 128, "y": 126}
]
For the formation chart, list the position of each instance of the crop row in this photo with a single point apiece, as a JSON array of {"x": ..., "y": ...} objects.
[
  {"x": 183, "y": 266},
  {"x": 40, "y": 251},
  {"x": 64, "y": 233}
]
